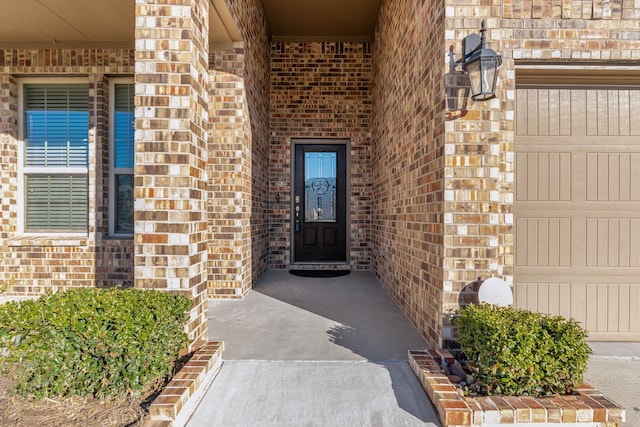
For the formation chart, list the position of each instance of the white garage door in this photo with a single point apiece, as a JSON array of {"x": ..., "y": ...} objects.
[{"x": 577, "y": 207}]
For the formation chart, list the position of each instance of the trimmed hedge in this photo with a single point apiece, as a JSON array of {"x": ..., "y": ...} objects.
[
  {"x": 518, "y": 352},
  {"x": 100, "y": 342}
]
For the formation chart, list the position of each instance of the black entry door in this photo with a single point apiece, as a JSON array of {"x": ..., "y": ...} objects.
[{"x": 319, "y": 216}]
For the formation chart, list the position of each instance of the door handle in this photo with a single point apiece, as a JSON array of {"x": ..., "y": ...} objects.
[{"x": 297, "y": 213}]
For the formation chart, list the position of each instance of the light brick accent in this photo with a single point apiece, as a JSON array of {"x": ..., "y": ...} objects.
[
  {"x": 170, "y": 159},
  {"x": 587, "y": 406},
  {"x": 8, "y": 159},
  {"x": 571, "y": 9},
  {"x": 320, "y": 90}
]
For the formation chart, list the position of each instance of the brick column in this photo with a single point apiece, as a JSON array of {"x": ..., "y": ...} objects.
[
  {"x": 171, "y": 138},
  {"x": 478, "y": 179},
  {"x": 8, "y": 165},
  {"x": 230, "y": 172}
]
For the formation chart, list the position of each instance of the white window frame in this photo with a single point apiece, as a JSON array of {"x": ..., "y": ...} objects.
[
  {"x": 112, "y": 169},
  {"x": 26, "y": 170}
]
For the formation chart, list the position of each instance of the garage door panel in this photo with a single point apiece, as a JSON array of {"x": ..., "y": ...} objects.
[
  {"x": 624, "y": 190},
  {"x": 594, "y": 110},
  {"x": 634, "y": 243},
  {"x": 543, "y": 176},
  {"x": 624, "y": 113},
  {"x": 613, "y": 242},
  {"x": 612, "y": 307},
  {"x": 599, "y": 307},
  {"x": 614, "y": 113},
  {"x": 634, "y": 177},
  {"x": 613, "y": 314},
  {"x": 555, "y": 113},
  {"x": 591, "y": 307},
  {"x": 634, "y": 308},
  {"x": 543, "y": 112},
  {"x": 610, "y": 112},
  {"x": 578, "y": 303},
  {"x": 611, "y": 177},
  {"x": 522, "y": 116},
  {"x": 634, "y": 102},
  {"x": 543, "y": 242},
  {"x": 545, "y": 297},
  {"x": 624, "y": 295},
  {"x": 577, "y": 207}
]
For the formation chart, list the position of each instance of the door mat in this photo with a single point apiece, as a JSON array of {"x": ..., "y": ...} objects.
[{"x": 320, "y": 273}]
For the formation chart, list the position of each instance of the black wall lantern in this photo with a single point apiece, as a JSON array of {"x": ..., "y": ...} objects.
[{"x": 481, "y": 64}]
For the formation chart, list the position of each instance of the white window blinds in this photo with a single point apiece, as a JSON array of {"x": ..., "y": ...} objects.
[{"x": 56, "y": 130}]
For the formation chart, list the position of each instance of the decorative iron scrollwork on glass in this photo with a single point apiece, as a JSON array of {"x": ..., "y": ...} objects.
[{"x": 320, "y": 187}]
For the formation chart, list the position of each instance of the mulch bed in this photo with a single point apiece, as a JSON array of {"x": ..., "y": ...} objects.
[{"x": 73, "y": 412}]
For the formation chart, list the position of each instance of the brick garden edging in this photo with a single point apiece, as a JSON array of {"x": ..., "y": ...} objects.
[
  {"x": 587, "y": 408},
  {"x": 175, "y": 405}
]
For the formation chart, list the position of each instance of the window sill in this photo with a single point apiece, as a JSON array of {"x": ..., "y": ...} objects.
[
  {"x": 49, "y": 240},
  {"x": 118, "y": 237}
]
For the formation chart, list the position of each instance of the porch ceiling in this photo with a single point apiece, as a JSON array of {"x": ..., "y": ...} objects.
[
  {"x": 321, "y": 20},
  {"x": 110, "y": 24}
]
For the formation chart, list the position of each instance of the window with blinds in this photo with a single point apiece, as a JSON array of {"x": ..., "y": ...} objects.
[
  {"x": 123, "y": 158},
  {"x": 56, "y": 138}
]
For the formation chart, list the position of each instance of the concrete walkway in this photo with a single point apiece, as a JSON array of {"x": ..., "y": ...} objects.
[
  {"x": 314, "y": 352},
  {"x": 332, "y": 352}
]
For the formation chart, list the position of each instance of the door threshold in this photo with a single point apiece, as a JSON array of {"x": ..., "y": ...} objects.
[{"x": 320, "y": 266}]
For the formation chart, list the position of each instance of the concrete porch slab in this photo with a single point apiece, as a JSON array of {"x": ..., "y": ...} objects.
[
  {"x": 286, "y": 317},
  {"x": 314, "y": 352}
]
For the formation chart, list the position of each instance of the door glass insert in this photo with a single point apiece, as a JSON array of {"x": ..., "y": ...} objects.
[{"x": 320, "y": 186}]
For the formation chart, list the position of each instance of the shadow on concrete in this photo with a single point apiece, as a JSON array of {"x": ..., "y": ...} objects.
[
  {"x": 363, "y": 319},
  {"x": 309, "y": 345},
  {"x": 399, "y": 371}
]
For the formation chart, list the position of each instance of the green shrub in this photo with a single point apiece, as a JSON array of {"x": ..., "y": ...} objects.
[
  {"x": 93, "y": 342},
  {"x": 517, "y": 352}
]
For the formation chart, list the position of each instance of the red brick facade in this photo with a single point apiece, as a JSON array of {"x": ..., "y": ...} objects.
[
  {"x": 32, "y": 265},
  {"x": 238, "y": 157},
  {"x": 431, "y": 186},
  {"x": 320, "y": 91},
  {"x": 408, "y": 161}
]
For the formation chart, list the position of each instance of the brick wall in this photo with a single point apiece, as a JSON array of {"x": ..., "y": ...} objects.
[
  {"x": 8, "y": 161},
  {"x": 443, "y": 177},
  {"x": 255, "y": 32},
  {"x": 320, "y": 90},
  {"x": 432, "y": 188},
  {"x": 479, "y": 154},
  {"x": 238, "y": 156},
  {"x": 229, "y": 166},
  {"x": 172, "y": 123},
  {"x": 408, "y": 159},
  {"x": 32, "y": 265}
]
